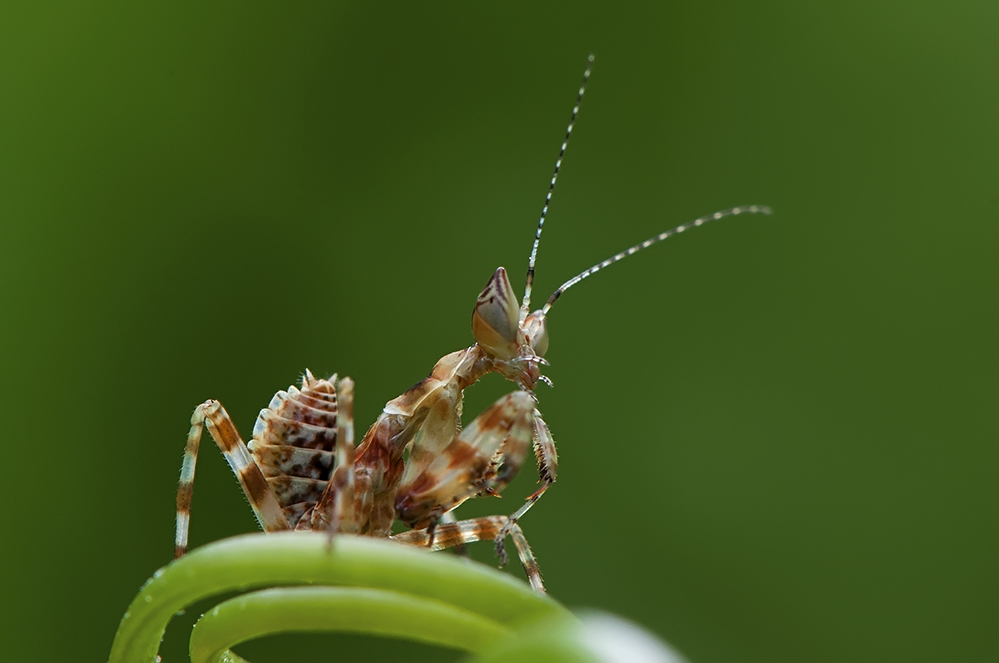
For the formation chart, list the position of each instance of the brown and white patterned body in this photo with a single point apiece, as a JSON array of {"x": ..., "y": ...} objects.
[{"x": 301, "y": 471}]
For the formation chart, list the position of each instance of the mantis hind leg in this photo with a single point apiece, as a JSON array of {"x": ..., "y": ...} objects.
[{"x": 258, "y": 492}]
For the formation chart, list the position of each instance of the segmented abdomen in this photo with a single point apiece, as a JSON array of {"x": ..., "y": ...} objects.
[{"x": 293, "y": 444}]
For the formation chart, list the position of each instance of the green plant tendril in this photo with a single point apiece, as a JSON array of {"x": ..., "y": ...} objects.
[
  {"x": 354, "y": 609},
  {"x": 378, "y": 587}
]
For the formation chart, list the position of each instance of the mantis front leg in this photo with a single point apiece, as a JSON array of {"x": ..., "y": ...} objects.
[{"x": 461, "y": 465}]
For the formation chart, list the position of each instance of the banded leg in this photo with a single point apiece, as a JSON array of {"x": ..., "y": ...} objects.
[
  {"x": 448, "y": 518},
  {"x": 463, "y": 467},
  {"x": 544, "y": 451},
  {"x": 335, "y": 511},
  {"x": 488, "y": 528},
  {"x": 512, "y": 457},
  {"x": 262, "y": 500}
]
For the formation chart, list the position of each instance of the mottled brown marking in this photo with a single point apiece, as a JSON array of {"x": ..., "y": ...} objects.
[
  {"x": 294, "y": 512},
  {"x": 184, "y": 494},
  {"x": 296, "y": 410},
  {"x": 290, "y": 490},
  {"x": 461, "y": 454},
  {"x": 497, "y": 418},
  {"x": 295, "y": 461},
  {"x": 227, "y": 436},
  {"x": 279, "y": 430},
  {"x": 256, "y": 485},
  {"x": 313, "y": 399}
]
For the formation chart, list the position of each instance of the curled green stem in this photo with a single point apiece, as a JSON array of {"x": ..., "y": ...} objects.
[
  {"x": 383, "y": 587},
  {"x": 344, "y": 609}
]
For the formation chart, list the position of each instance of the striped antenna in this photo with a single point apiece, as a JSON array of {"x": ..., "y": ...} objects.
[
  {"x": 526, "y": 306},
  {"x": 735, "y": 211}
]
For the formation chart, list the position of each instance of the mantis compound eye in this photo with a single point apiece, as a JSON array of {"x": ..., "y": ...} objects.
[
  {"x": 536, "y": 329},
  {"x": 496, "y": 316}
]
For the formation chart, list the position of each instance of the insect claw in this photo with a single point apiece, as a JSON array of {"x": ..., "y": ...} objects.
[
  {"x": 485, "y": 488},
  {"x": 501, "y": 550},
  {"x": 431, "y": 529},
  {"x": 546, "y": 380}
]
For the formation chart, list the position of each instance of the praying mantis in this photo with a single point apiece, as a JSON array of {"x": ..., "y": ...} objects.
[{"x": 415, "y": 464}]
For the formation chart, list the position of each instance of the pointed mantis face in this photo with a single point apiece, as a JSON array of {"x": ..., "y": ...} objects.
[
  {"x": 495, "y": 320},
  {"x": 517, "y": 347}
]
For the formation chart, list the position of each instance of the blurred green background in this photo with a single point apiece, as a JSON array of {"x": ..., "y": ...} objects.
[{"x": 774, "y": 435}]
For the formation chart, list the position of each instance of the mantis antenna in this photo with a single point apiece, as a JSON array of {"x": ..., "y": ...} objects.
[
  {"x": 526, "y": 305},
  {"x": 735, "y": 211}
]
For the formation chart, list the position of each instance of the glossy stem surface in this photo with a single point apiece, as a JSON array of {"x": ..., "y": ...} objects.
[{"x": 474, "y": 604}]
